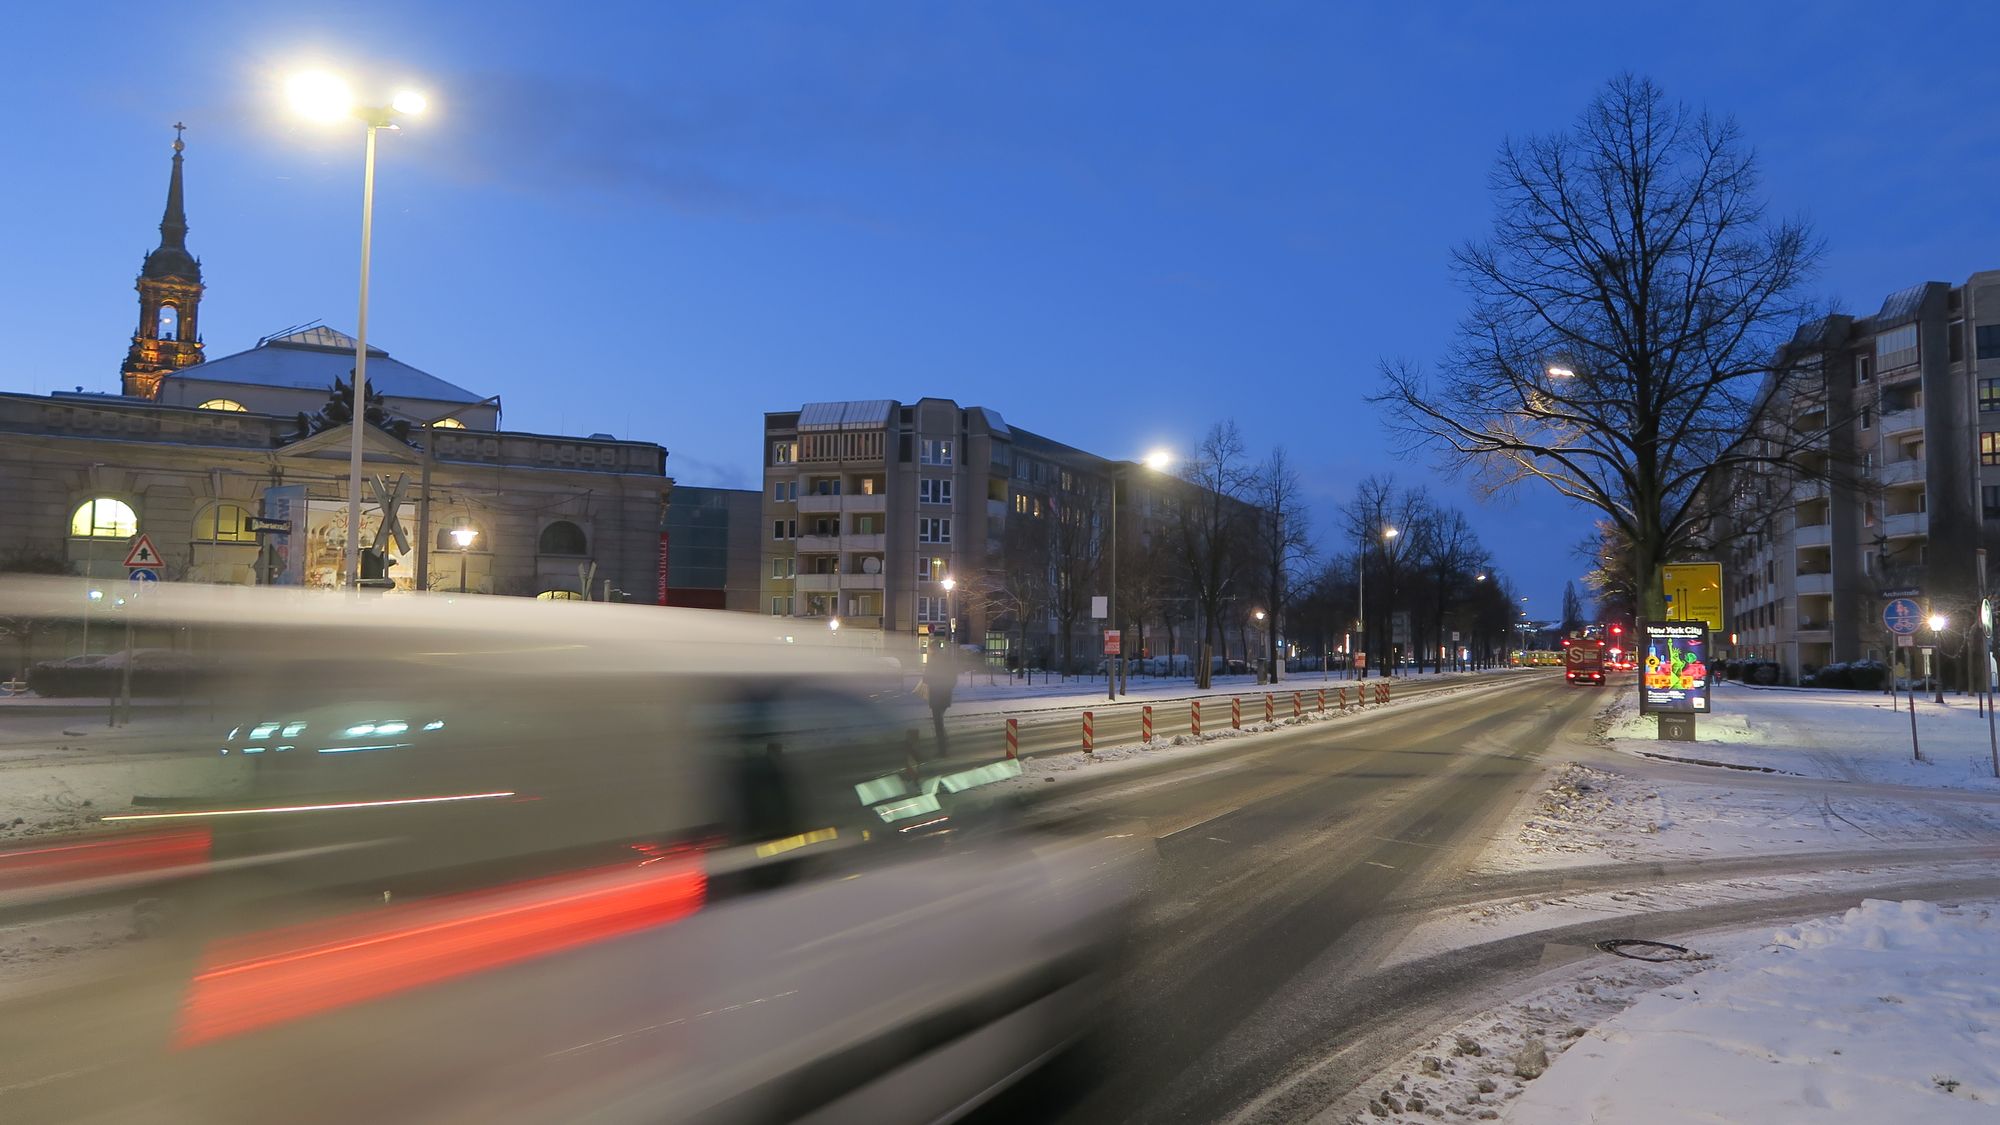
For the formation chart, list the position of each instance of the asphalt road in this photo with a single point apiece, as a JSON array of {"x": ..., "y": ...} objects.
[{"x": 1266, "y": 867}]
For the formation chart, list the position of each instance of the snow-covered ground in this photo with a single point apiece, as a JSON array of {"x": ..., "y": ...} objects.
[
  {"x": 1845, "y": 735},
  {"x": 974, "y": 695},
  {"x": 1888, "y": 1012}
]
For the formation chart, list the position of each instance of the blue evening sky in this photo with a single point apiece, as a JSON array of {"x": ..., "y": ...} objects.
[{"x": 1115, "y": 223}]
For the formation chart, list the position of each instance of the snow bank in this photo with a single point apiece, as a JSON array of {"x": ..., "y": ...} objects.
[{"x": 1889, "y": 1012}]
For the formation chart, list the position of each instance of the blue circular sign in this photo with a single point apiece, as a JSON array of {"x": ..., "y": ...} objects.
[{"x": 1903, "y": 616}]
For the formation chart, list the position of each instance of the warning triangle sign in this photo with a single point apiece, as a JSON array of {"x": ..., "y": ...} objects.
[{"x": 142, "y": 553}]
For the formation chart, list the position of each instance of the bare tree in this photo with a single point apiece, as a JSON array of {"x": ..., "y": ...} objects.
[
  {"x": 1449, "y": 555},
  {"x": 1386, "y": 525},
  {"x": 1020, "y": 590},
  {"x": 1280, "y": 535},
  {"x": 1572, "y": 612},
  {"x": 1207, "y": 522},
  {"x": 1075, "y": 541},
  {"x": 1627, "y": 311},
  {"x": 1609, "y": 578}
]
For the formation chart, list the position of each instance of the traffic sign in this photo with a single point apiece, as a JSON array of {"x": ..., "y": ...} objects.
[
  {"x": 143, "y": 575},
  {"x": 142, "y": 554},
  {"x": 1902, "y": 616},
  {"x": 262, "y": 524}
]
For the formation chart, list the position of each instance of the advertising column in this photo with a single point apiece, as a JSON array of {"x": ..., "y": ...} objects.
[{"x": 1674, "y": 676}]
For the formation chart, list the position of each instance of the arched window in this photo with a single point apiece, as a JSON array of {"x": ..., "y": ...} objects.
[
  {"x": 564, "y": 538},
  {"x": 447, "y": 537},
  {"x": 448, "y": 424},
  {"x": 229, "y": 404},
  {"x": 169, "y": 325},
  {"x": 224, "y": 523},
  {"x": 559, "y": 596},
  {"x": 103, "y": 518}
]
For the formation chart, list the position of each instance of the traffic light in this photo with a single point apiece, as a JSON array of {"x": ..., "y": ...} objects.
[{"x": 1617, "y": 630}]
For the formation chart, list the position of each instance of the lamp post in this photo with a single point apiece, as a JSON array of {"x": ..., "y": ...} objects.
[
  {"x": 833, "y": 624},
  {"x": 1361, "y": 600},
  {"x": 950, "y": 617},
  {"x": 322, "y": 97},
  {"x": 463, "y": 536},
  {"x": 1159, "y": 461},
  {"x": 1938, "y": 622}
]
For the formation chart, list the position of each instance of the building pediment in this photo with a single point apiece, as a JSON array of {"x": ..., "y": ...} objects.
[{"x": 335, "y": 444}]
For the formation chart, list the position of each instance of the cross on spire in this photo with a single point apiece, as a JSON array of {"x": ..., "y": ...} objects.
[{"x": 178, "y": 129}]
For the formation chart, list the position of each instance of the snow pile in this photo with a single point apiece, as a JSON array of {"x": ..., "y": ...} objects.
[
  {"x": 1583, "y": 809},
  {"x": 1890, "y": 1012},
  {"x": 1843, "y": 735}
]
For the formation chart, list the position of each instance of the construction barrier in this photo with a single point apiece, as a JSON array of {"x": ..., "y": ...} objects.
[
  {"x": 1089, "y": 736},
  {"x": 1382, "y": 692},
  {"x": 1194, "y": 717},
  {"x": 1322, "y": 700},
  {"x": 1146, "y": 723},
  {"x": 1236, "y": 712},
  {"x": 1298, "y": 708},
  {"x": 1270, "y": 709},
  {"x": 1340, "y": 697},
  {"x": 1013, "y": 738}
]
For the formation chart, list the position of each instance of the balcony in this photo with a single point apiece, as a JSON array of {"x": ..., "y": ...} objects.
[
  {"x": 1810, "y": 630},
  {"x": 814, "y": 502},
  {"x": 866, "y": 502},
  {"x": 818, "y": 544},
  {"x": 819, "y": 583},
  {"x": 1813, "y": 535},
  {"x": 1901, "y": 472},
  {"x": 861, "y": 582},
  {"x": 1808, "y": 490},
  {"x": 873, "y": 541},
  {"x": 1814, "y": 584},
  {"x": 1906, "y": 525},
  {"x": 1902, "y": 421}
]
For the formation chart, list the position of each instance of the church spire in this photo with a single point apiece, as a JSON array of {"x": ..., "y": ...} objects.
[
  {"x": 170, "y": 289},
  {"x": 174, "y": 224}
]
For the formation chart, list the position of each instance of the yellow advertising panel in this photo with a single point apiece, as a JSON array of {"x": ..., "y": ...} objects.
[{"x": 1694, "y": 592}]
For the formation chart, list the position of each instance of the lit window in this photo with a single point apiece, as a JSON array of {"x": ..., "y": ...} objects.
[
  {"x": 228, "y": 404},
  {"x": 448, "y": 424},
  {"x": 104, "y": 518},
  {"x": 560, "y": 596},
  {"x": 224, "y": 523}
]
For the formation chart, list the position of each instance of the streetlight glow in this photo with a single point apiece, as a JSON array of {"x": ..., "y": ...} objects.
[
  {"x": 833, "y": 623},
  {"x": 1259, "y": 615},
  {"x": 409, "y": 103},
  {"x": 1390, "y": 533},
  {"x": 1938, "y": 622},
  {"x": 463, "y": 536},
  {"x": 1159, "y": 460},
  {"x": 1560, "y": 372},
  {"x": 949, "y": 584},
  {"x": 319, "y": 96}
]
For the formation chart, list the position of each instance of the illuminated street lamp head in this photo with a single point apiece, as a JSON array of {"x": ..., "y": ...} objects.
[
  {"x": 833, "y": 623},
  {"x": 1390, "y": 533},
  {"x": 319, "y": 96},
  {"x": 949, "y": 584},
  {"x": 1479, "y": 578},
  {"x": 463, "y": 536},
  {"x": 409, "y": 103},
  {"x": 1557, "y": 371},
  {"x": 1259, "y": 615},
  {"x": 1938, "y": 622},
  {"x": 1159, "y": 460}
]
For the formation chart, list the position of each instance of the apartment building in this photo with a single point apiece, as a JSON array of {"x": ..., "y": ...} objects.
[
  {"x": 1908, "y": 403},
  {"x": 870, "y": 506}
]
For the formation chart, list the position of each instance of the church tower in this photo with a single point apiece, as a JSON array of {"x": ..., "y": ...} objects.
[{"x": 170, "y": 288}]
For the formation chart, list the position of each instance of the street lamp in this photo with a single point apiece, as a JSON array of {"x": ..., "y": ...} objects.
[
  {"x": 950, "y": 618},
  {"x": 1558, "y": 371},
  {"x": 833, "y": 624},
  {"x": 1361, "y": 600},
  {"x": 1159, "y": 461},
  {"x": 319, "y": 96},
  {"x": 463, "y": 535},
  {"x": 1937, "y": 623}
]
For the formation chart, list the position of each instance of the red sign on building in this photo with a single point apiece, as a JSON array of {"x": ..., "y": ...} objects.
[{"x": 663, "y": 568}]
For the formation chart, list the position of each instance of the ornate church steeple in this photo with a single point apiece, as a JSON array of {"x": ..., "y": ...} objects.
[{"x": 170, "y": 289}]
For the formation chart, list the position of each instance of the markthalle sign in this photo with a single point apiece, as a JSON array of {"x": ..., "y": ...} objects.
[{"x": 1673, "y": 671}]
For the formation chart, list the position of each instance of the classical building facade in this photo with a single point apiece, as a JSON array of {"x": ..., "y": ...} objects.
[
  {"x": 195, "y": 455},
  {"x": 1908, "y": 405}
]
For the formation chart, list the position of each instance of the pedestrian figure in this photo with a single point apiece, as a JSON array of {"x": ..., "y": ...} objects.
[{"x": 939, "y": 678}]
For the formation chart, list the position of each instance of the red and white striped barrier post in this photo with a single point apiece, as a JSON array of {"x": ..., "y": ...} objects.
[
  {"x": 1297, "y": 707},
  {"x": 1236, "y": 712},
  {"x": 1146, "y": 723},
  {"x": 1340, "y": 698},
  {"x": 1194, "y": 717},
  {"x": 1270, "y": 708},
  {"x": 1089, "y": 736},
  {"x": 1013, "y": 738},
  {"x": 1322, "y": 700},
  {"x": 1382, "y": 693}
]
